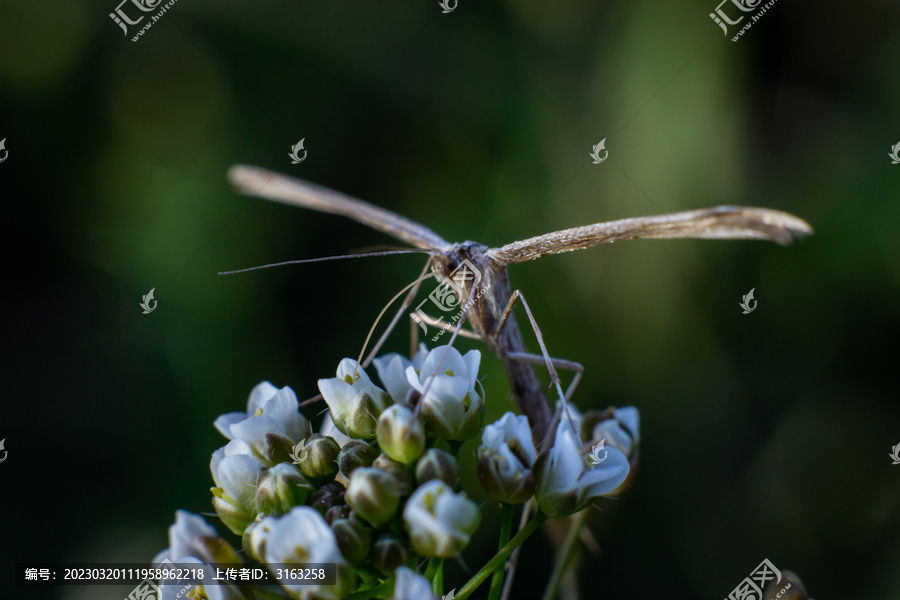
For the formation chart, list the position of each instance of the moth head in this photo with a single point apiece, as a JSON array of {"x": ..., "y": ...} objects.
[{"x": 462, "y": 266}]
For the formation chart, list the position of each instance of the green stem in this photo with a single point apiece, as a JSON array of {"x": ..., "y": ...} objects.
[
  {"x": 500, "y": 571},
  {"x": 500, "y": 557},
  {"x": 437, "y": 583},
  {"x": 384, "y": 588},
  {"x": 565, "y": 554},
  {"x": 431, "y": 569}
]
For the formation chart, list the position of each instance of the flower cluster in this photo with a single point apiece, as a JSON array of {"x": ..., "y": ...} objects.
[{"x": 378, "y": 487}]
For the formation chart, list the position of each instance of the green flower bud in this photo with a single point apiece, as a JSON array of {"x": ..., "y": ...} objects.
[
  {"x": 397, "y": 470},
  {"x": 440, "y": 522},
  {"x": 317, "y": 457},
  {"x": 281, "y": 488},
  {"x": 356, "y": 454},
  {"x": 388, "y": 553},
  {"x": 437, "y": 464},
  {"x": 354, "y": 540},
  {"x": 401, "y": 434},
  {"x": 374, "y": 494}
]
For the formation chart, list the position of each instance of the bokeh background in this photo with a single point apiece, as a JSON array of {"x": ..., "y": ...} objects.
[{"x": 764, "y": 435}]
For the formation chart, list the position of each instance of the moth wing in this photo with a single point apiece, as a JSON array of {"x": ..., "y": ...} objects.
[
  {"x": 262, "y": 183},
  {"x": 720, "y": 223}
]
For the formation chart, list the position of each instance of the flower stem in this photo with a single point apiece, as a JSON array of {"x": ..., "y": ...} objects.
[
  {"x": 432, "y": 568},
  {"x": 500, "y": 557},
  {"x": 500, "y": 571},
  {"x": 565, "y": 554}
]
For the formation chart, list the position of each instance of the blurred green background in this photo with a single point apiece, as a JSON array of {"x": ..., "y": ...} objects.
[{"x": 764, "y": 435}]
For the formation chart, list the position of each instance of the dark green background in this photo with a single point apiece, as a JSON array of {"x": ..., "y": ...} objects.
[{"x": 764, "y": 435}]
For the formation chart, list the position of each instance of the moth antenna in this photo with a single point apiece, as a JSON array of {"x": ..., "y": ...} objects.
[
  {"x": 381, "y": 314},
  {"x": 341, "y": 257}
]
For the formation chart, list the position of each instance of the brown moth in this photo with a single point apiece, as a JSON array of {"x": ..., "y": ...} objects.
[{"x": 489, "y": 313}]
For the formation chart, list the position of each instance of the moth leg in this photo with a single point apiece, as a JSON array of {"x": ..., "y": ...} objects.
[
  {"x": 560, "y": 363},
  {"x": 407, "y": 302},
  {"x": 548, "y": 362},
  {"x": 440, "y": 324}
]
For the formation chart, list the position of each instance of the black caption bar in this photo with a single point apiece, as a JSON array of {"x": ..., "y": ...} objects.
[{"x": 174, "y": 574}]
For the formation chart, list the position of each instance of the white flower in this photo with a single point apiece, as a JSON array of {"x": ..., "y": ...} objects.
[
  {"x": 193, "y": 540},
  {"x": 236, "y": 474},
  {"x": 453, "y": 408},
  {"x": 271, "y": 424},
  {"x": 355, "y": 402},
  {"x": 623, "y": 431},
  {"x": 391, "y": 369},
  {"x": 439, "y": 521},
  {"x": 566, "y": 484},
  {"x": 505, "y": 459},
  {"x": 408, "y": 585},
  {"x": 303, "y": 536}
]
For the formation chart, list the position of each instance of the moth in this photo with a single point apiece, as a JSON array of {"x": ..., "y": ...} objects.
[{"x": 489, "y": 307}]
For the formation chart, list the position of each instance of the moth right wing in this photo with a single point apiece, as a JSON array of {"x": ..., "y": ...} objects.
[
  {"x": 262, "y": 183},
  {"x": 720, "y": 222}
]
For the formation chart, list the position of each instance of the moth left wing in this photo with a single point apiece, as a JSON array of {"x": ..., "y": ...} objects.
[
  {"x": 720, "y": 223},
  {"x": 255, "y": 181}
]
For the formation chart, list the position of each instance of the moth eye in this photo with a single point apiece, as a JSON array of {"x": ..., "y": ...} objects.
[{"x": 450, "y": 266}]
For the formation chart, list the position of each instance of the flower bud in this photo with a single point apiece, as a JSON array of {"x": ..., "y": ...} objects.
[
  {"x": 397, "y": 470},
  {"x": 281, "y": 488},
  {"x": 388, "y": 553},
  {"x": 317, "y": 457},
  {"x": 341, "y": 511},
  {"x": 234, "y": 495},
  {"x": 255, "y": 536},
  {"x": 505, "y": 459},
  {"x": 356, "y": 454},
  {"x": 354, "y": 401},
  {"x": 401, "y": 434},
  {"x": 373, "y": 494},
  {"x": 437, "y": 464},
  {"x": 354, "y": 539},
  {"x": 323, "y": 500},
  {"x": 453, "y": 400},
  {"x": 440, "y": 522}
]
